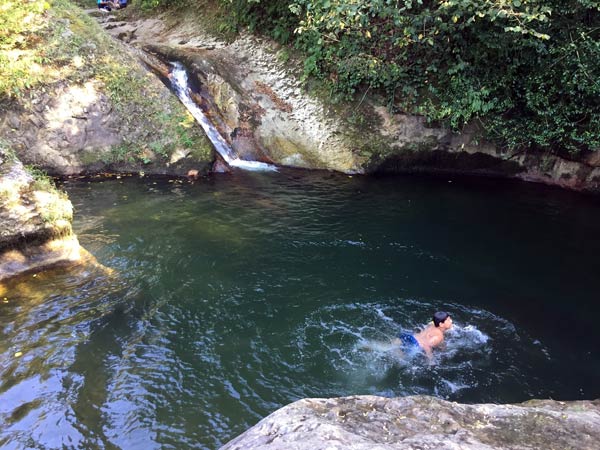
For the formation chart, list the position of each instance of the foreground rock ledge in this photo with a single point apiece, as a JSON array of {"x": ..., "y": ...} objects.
[{"x": 421, "y": 422}]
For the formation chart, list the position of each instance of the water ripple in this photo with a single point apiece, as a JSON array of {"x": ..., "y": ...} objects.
[{"x": 240, "y": 293}]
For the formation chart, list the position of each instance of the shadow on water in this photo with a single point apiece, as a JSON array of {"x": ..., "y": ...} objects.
[{"x": 243, "y": 292}]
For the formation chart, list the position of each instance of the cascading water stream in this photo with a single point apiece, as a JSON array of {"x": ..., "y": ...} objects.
[{"x": 179, "y": 81}]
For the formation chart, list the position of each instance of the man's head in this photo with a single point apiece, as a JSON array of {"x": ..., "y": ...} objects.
[{"x": 442, "y": 319}]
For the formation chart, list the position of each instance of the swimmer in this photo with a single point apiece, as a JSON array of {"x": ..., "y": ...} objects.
[{"x": 432, "y": 336}]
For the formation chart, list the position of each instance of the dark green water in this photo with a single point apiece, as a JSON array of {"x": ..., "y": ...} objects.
[{"x": 239, "y": 294}]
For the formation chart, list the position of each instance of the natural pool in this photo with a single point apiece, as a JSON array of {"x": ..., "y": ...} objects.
[{"x": 238, "y": 294}]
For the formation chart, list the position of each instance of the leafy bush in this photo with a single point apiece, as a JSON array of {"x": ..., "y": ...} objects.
[{"x": 154, "y": 4}]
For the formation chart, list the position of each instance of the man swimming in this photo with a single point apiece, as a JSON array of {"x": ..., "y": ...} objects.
[{"x": 430, "y": 337}]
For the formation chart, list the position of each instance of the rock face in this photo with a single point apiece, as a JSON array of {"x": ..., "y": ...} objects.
[
  {"x": 258, "y": 101},
  {"x": 100, "y": 110},
  {"x": 54, "y": 131},
  {"x": 107, "y": 113},
  {"x": 35, "y": 223},
  {"x": 259, "y": 106},
  {"x": 421, "y": 422}
]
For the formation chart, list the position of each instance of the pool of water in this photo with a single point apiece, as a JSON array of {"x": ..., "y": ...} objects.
[{"x": 235, "y": 295}]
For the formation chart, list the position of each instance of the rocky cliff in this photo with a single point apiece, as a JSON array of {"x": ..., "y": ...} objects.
[
  {"x": 101, "y": 110},
  {"x": 420, "y": 422},
  {"x": 255, "y": 95}
]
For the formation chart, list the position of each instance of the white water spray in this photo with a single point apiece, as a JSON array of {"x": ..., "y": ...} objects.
[{"x": 179, "y": 81}]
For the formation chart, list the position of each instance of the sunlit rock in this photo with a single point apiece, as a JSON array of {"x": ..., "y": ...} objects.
[
  {"x": 421, "y": 422},
  {"x": 35, "y": 223},
  {"x": 30, "y": 258}
]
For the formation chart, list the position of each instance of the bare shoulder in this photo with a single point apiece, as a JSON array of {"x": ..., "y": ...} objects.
[{"x": 434, "y": 336}]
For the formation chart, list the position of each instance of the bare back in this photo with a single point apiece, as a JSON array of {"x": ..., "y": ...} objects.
[{"x": 430, "y": 337}]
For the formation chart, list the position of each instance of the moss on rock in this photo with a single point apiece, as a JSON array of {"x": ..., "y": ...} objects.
[
  {"x": 92, "y": 100},
  {"x": 35, "y": 220}
]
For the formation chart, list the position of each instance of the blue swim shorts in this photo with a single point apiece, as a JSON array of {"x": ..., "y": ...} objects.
[{"x": 408, "y": 341}]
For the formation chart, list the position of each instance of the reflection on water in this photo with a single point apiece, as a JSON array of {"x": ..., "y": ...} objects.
[{"x": 241, "y": 293}]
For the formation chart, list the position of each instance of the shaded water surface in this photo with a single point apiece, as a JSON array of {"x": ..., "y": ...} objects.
[{"x": 241, "y": 293}]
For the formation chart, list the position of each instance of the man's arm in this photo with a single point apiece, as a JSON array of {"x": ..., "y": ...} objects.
[{"x": 428, "y": 352}]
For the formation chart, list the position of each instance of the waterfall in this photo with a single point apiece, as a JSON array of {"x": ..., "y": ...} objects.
[{"x": 179, "y": 81}]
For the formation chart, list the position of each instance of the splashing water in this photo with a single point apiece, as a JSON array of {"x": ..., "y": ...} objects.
[
  {"x": 358, "y": 341},
  {"x": 179, "y": 81},
  {"x": 234, "y": 296}
]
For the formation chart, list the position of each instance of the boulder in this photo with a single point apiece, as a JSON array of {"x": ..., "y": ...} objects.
[
  {"x": 422, "y": 422},
  {"x": 35, "y": 222}
]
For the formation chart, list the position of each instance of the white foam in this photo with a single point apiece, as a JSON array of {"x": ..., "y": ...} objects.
[
  {"x": 358, "y": 341},
  {"x": 469, "y": 335},
  {"x": 455, "y": 386},
  {"x": 252, "y": 165}
]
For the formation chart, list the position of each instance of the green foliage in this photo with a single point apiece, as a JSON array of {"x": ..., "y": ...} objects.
[
  {"x": 42, "y": 181},
  {"x": 184, "y": 129},
  {"x": 20, "y": 25},
  {"x": 56, "y": 206},
  {"x": 155, "y": 4},
  {"x": 124, "y": 86},
  {"x": 527, "y": 70},
  {"x": 18, "y": 20},
  {"x": 121, "y": 153},
  {"x": 185, "y": 139},
  {"x": 269, "y": 17},
  {"x": 159, "y": 149},
  {"x": 6, "y": 152}
]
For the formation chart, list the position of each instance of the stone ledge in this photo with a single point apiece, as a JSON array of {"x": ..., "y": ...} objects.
[
  {"x": 35, "y": 223},
  {"x": 422, "y": 422},
  {"x": 56, "y": 252}
]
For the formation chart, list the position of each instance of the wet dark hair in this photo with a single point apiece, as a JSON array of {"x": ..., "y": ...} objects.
[{"x": 439, "y": 317}]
